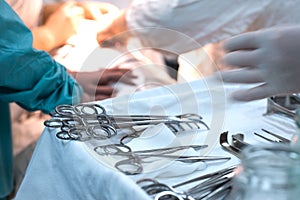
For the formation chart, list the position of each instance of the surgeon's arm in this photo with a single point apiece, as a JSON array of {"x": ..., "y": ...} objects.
[
  {"x": 27, "y": 76},
  {"x": 183, "y": 25}
]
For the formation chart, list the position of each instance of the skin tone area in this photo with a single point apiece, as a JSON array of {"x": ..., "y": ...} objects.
[{"x": 60, "y": 21}]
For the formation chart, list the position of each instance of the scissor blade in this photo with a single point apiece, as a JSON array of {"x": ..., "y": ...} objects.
[
  {"x": 187, "y": 159},
  {"x": 206, "y": 176},
  {"x": 127, "y": 124},
  {"x": 277, "y": 136},
  {"x": 167, "y": 118},
  {"x": 137, "y": 117},
  {"x": 196, "y": 147},
  {"x": 202, "y": 158}
]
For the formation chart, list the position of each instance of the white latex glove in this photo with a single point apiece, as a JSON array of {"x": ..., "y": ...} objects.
[{"x": 269, "y": 57}]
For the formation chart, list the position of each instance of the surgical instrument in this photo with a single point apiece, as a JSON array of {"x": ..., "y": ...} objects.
[
  {"x": 211, "y": 186},
  {"x": 238, "y": 141},
  {"x": 132, "y": 164},
  {"x": 285, "y": 105},
  {"x": 279, "y": 138},
  {"x": 226, "y": 146},
  {"x": 86, "y": 121}
]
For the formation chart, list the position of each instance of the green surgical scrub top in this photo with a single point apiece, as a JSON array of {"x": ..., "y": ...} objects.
[{"x": 28, "y": 77}]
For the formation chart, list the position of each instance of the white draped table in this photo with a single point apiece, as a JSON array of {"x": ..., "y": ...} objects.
[{"x": 69, "y": 170}]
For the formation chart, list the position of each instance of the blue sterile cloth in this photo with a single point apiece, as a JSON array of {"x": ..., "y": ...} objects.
[{"x": 28, "y": 77}]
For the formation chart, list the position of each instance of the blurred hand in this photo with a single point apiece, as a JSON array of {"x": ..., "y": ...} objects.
[
  {"x": 101, "y": 12},
  {"x": 268, "y": 57},
  {"x": 116, "y": 30},
  {"x": 64, "y": 22},
  {"x": 97, "y": 85}
]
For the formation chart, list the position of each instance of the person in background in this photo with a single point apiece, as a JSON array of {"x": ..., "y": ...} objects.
[
  {"x": 268, "y": 58},
  {"x": 30, "y": 78},
  {"x": 53, "y": 24},
  {"x": 182, "y": 26}
]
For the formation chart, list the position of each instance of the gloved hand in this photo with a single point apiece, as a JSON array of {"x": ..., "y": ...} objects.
[{"x": 268, "y": 57}]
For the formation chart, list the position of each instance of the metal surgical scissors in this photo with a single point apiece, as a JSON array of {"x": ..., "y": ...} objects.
[
  {"x": 210, "y": 186},
  {"x": 285, "y": 105},
  {"x": 81, "y": 122},
  {"x": 85, "y": 121},
  {"x": 132, "y": 164}
]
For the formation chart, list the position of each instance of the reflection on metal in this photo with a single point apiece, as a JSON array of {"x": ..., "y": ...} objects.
[
  {"x": 285, "y": 105},
  {"x": 90, "y": 121}
]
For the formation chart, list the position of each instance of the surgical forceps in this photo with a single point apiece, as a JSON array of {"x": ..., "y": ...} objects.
[
  {"x": 86, "y": 121},
  {"x": 81, "y": 122},
  {"x": 279, "y": 139},
  {"x": 212, "y": 186},
  {"x": 238, "y": 143},
  {"x": 132, "y": 164},
  {"x": 227, "y": 147},
  {"x": 285, "y": 105}
]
